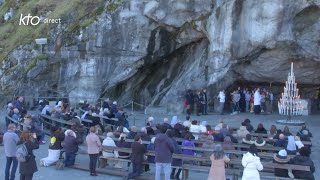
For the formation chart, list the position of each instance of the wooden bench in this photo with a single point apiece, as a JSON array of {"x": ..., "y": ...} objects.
[
  {"x": 17, "y": 122},
  {"x": 234, "y": 172}
]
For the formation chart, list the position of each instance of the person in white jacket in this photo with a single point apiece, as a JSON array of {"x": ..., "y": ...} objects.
[
  {"x": 222, "y": 100},
  {"x": 108, "y": 141},
  {"x": 257, "y": 101},
  {"x": 252, "y": 165}
]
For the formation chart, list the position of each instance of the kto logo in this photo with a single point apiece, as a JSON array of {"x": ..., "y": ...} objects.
[{"x": 33, "y": 20}]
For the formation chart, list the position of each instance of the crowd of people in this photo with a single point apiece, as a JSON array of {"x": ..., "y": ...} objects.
[
  {"x": 163, "y": 138},
  {"x": 240, "y": 100}
]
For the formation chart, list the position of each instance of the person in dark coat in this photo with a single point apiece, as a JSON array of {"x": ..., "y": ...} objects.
[
  {"x": 177, "y": 150},
  {"x": 105, "y": 104},
  {"x": 281, "y": 158},
  {"x": 281, "y": 142},
  {"x": 260, "y": 129},
  {"x": 279, "y": 131},
  {"x": 189, "y": 101},
  {"x": 123, "y": 144},
  {"x": 150, "y": 147},
  {"x": 304, "y": 128},
  {"x": 143, "y": 134},
  {"x": 70, "y": 145},
  {"x": 304, "y": 135},
  {"x": 248, "y": 125},
  {"x": 286, "y": 131},
  {"x": 303, "y": 159},
  {"x": 178, "y": 129},
  {"x": 166, "y": 124},
  {"x": 218, "y": 136},
  {"x": 95, "y": 120},
  {"x": 137, "y": 157},
  {"x": 28, "y": 168},
  {"x": 164, "y": 149},
  {"x": 150, "y": 130},
  {"x": 230, "y": 134},
  {"x": 133, "y": 132},
  {"x": 114, "y": 108}
]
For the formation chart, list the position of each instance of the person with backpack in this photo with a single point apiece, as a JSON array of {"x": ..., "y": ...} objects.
[
  {"x": 10, "y": 140},
  {"x": 28, "y": 165}
]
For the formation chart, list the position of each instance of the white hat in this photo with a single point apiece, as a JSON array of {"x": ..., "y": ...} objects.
[
  {"x": 109, "y": 134},
  {"x": 282, "y": 153},
  {"x": 114, "y": 102}
]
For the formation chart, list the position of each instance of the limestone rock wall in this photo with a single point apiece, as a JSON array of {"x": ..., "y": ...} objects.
[{"x": 152, "y": 51}]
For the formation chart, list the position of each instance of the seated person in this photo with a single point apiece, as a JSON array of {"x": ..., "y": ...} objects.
[
  {"x": 281, "y": 142},
  {"x": 259, "y": 141},
  {"x": 218, "y": 136},
  {"x": 279, "y": 131},
  {"x": 108, "y": 141},
  {"x": 304, "y": 135},
  {"x": 242, "y": 131},
  {"x": 248, "y": 125},
  {"x": 133, "y": 132},
  {"x": 281, "y": 158},
  {"x": 303, "y": 158},
  {"x": 300, "y": 133},
  {"x": 291, "y": 146},
  {"x": 248, "y": 140},
  {"x": 286, "y": 131},
  {"x": 260, "y": 129}
]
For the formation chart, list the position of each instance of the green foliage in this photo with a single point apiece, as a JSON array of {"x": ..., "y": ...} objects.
[
  {"x": 76, "y": 13},
  {"x": 35, "y": 60},
  {"x": 113, "y": 5}
]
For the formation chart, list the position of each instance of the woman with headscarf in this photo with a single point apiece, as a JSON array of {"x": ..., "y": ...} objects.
[
  {"x": 252, "y": 165},
  {"x": 203, "y": 127},
  {"x": 218, "y": 160},
  {"x": 108, "y": 141},
  {"x": 174, "y": 121},
  {"x": 291, "y": 146}
]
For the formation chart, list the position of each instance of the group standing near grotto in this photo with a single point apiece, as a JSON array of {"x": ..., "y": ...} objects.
[{"x": 162, "y": 137}]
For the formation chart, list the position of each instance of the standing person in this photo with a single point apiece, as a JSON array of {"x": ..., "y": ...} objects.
[
  {"x": 247, "y": 98},
  {"x": 137, "y": 157},
  {"x": 205, "y": 102},
  {"x": 94, "y": 145},
  {"x": 164, "y": 149},
  {"x": 222, "y": 100},
  {"x": 189, "y": 101},
  {"x": 197, "y": 101},
  {"x": 242, "y": 102},
  {"x": 10, "y": 140},
  {"x": 28, "y": 168},
  {"x": 257, "y": 102},
  {"x": 263, "y": 101},
  {"x": 252, "y": 165},
  {"x": 218, "y": 160},
  {"x": 271, "y": 101},
  {"x": 251, "y": 102}
]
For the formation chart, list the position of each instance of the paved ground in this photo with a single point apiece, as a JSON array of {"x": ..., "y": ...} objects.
[{"x": 49, "y": 173}]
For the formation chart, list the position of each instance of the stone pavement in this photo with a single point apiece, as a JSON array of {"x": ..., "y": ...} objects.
[{"x": 48, "y": 173}]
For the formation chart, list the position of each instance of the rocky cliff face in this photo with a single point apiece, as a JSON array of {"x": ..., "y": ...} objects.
[{"x": 152, "y": 51}]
